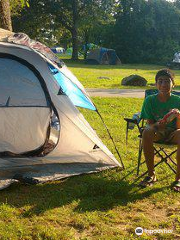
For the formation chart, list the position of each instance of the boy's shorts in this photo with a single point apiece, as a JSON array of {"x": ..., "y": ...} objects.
[{"x": 166, "y": 135}]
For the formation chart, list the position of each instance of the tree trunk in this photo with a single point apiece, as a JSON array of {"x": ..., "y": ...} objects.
[
  {"x": 74, "y": 30},
  {"x": 5, "y": 15},
  {"x": 74, "y": 44},
  {"x": 86, "y": 38}
]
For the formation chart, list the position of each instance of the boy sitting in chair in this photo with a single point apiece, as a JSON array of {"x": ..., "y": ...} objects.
[{"x": 162, "y": 112}]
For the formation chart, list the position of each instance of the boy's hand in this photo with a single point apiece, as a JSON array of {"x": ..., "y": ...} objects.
[
  {"x": 170, "y": 116},
  {"x": 177, "y": 113}
]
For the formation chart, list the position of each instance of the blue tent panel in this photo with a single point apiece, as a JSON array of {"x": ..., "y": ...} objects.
[{"x": 71, "y": 90}]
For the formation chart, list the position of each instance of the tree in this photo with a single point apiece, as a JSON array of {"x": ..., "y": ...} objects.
[
  {"x": 146, "y": 31},
  {"x": 94, "y": 22},
  {"x": 67, "y": 14},
  {"x": 46, "y": 18},
  {"x": 8, "y": 8},
  {"x": 17, "y": 6},
  {"x": 5, "y": 15},
  {"x": 73, "y": 16}
]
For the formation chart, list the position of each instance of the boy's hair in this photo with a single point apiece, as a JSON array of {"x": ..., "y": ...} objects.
[{"x": 165, "y": 72}]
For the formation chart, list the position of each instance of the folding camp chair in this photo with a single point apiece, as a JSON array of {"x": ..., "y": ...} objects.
[{"x": 160, "y": 149}]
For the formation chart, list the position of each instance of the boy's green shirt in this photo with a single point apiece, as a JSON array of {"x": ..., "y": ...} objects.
[{"x": 155, "y": 110}]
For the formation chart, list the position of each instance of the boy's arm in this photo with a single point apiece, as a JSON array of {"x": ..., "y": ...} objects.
[{"x": 178, "y": 122}]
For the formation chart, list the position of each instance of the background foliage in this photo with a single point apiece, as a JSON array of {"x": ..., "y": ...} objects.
[{"x": 141, "y": 31}]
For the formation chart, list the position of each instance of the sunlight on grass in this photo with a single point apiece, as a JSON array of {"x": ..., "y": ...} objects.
[
  {"x": 108, "y": 76},
  {"x": 107, "y": 205}
]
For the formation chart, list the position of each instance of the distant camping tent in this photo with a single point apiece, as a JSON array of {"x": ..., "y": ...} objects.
[
  {"x": 69, "y": 51},
  {"x": 43, "y": 136},
  {"x": 58, "y": 50},
  {"x": 175, "y": 63},
  {"x": 103, "y": 56}
]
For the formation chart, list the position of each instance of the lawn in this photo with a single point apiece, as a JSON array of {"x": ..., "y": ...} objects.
[
  {"x": 96, "y": 76},
  {"x": 106, "y": 205}
]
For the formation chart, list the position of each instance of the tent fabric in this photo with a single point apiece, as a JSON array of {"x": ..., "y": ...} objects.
[
  {"x": 73, "y": 140},
  {"x": 73, "y": 79},
  {"x": 71, "y": 90},
  {"x": 23, "y": 129},
  {"x": 23, "y": 39},
  {"x": 62, "y": 103},
  {"x": 20, "y": 86},
  {"x": 103, "y": 56},
  {"x": 79, "y": 97}
]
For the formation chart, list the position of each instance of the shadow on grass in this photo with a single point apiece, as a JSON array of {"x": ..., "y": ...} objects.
[
  {"x": 90, "y": 192},
  {"x": 81, "y": 63}
]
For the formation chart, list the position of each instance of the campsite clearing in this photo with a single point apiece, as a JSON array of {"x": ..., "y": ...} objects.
[
  {"x": 107, "y": 205},
  {"x": 103, "y": 76}
]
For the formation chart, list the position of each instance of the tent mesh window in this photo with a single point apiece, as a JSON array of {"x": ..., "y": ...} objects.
[{"x": 25, "y": 110}]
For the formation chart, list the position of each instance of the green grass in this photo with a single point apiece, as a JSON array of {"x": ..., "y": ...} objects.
[
  {"x": 91, "y": 76},
  {"x": 108, "y": 205}
]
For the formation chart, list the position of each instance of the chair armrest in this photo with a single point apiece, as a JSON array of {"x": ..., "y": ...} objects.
[
  {"x": 131, "y": 123},
  {"x": 130, "y": 120}
]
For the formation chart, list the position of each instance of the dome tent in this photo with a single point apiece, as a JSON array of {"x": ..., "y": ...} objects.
[
  {"x": 103, "y": 56},
  {"x": 40, "y": 124}
]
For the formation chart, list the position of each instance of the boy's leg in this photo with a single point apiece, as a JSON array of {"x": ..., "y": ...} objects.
[
  {"x": 148, "y": 138},
  {"x": 176, "y": 140}
]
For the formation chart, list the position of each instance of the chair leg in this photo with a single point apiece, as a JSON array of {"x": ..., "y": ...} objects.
[
  {"x": 170, "y": 167},
  {"x": 158, "y": 152},
  {"x": 166, "y": 158},
  {"x": 139, "y": 156}
]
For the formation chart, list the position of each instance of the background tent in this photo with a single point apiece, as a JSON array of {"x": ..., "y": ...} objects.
[
  {"x": 175, "y": 63},
  {"x": 103, "y": 56},
  {"x": 69, "y": 51},
  {"x": 43, "y": 136},
  {"x": 58, "y": 49}
]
